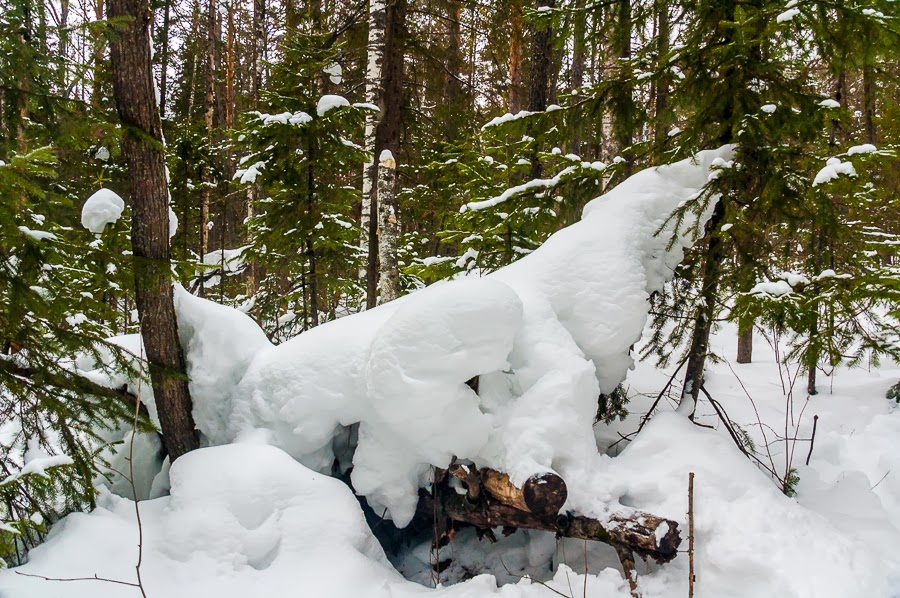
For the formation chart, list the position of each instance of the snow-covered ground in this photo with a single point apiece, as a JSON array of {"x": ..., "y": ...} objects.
[
  {"x": 255, "y": 513},
  {"x": 247, "y": 518}
]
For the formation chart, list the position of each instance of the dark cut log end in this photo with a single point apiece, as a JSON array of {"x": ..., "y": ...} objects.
[
  {"x": 545, "y": 493},
  {"x": 542, "y": 494}
]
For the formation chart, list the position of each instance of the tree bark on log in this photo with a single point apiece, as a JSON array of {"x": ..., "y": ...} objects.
[
  {"x": 543, "y": 493},
  {"x": 491, "y": 500}
]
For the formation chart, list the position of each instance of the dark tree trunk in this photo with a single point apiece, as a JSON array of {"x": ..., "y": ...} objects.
[
  {"x": 661, "y": 95},
  {"x": 515, "y": 56},
  {"x": 624, "y": 124},
  {"x": 745, "y": 346},
  {"x": 706, "y": 310},
  {"x": 143, "y": 148},
  {"x": 869, "y": 103},
  {"x": 453, "y": 91},
  {"x": 164, "y": 60},
  {"x": 579, "y": 48},
  {"x": 538, "y": 83}
]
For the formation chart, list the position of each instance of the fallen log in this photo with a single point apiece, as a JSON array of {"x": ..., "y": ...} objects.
[
  {"x": 648, "y": 535},
  {"x": 543, "y": 493},
  {"x": 491, "y": 500}
]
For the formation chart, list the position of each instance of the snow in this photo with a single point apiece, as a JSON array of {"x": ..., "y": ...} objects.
[
  {"x": 768, "y": 108},
  {"x": 102, "y": 208},
  {"x": 375, "y": 390},
  {"x": 833, "y": 169},
  {"x": 335, "y": 73},
  {"x": 37, "y": 235},
  {"x": 787, "y": 15},
  {"x": 865, "y": 148},
  {"x": 553, "y": 329},
  {"x": 829, "y": 103},
  {"x": 329, "y": 102},
  {"x": 531, "y": 185},
  {"x": 777, "y": 288},
  {"x": 247, "y": 518},
  {"x": 508, "y": 117},
  {"x": 249, "y": 174},
  {"x": 37, "y": 462},
  {"x": 173, "y": 222}
]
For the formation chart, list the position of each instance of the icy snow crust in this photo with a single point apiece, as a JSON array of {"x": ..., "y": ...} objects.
[{"x": 255, "y": 515}]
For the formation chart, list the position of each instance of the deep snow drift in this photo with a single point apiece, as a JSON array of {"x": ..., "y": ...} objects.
[{"x": 545, "y": 336}]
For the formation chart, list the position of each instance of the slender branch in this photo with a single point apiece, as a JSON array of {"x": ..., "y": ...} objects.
[{"x": 94, "y": 578}]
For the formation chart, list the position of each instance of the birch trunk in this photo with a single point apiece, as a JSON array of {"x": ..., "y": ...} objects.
[
  {"x": 388, "y": 229},
  {"x": 375, "y": 96}
]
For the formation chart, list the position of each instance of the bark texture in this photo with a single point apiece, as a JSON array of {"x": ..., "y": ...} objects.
[
  {"x": 745, "y": 346},
  {"x": 491, "y": 501},
  {"x": 374, "y": 96},
  {"x": 142, "y": 145},
  {"x": 515, "y": 56},
  {"x": 388, "y": 229}
]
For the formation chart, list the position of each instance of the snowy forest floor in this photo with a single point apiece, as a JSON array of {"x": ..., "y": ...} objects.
[{"x": 246, "y": 519}]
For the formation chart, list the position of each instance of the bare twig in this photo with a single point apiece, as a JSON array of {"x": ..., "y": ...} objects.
[
  {"x": 537, "y": 581},
  {"x": 881, "y": 480},
  {"x": 659, "y": 397},
  {"x": 812, "y": 440},
  {"x": 691, "y": 577},
  {"x": 94, "y": 578},
  {"x": 137, "y": 509}
]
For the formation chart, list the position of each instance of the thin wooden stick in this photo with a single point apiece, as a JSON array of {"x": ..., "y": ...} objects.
[
  {"x": 691, "y": 577},
  {"x": 812, "y": 440}
]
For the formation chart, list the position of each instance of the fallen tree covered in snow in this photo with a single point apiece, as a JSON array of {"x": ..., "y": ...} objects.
[
  {"x": 388, "y": 401},
  {"x": 373, "y": 393}
]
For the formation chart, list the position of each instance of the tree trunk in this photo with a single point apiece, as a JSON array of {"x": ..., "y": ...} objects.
[
  {"x": 453, "y": 112},
  {"x": 164, "y": 60},
  {"x": 97, "y": 59},
  {"x": 142, "y": 144},
  {"x": 208, "y": 114},
  {"x": 706, "y": 311},
  {"x": 257, "y": 49},
  {"x": 579, "y": 56},
  {"x": 745, "y": 346},
  {"x": 541, "y": 55},
  {"x": 869, "y": 103},
  {"x": 375, "y": 96},
  {"x": 623, "y": 125},
  {"x": 661, "y": 95},
  {"x": 312, "y": 153},
  {"x": 491, "y": 500},
  {"x": 388, "y": 229},
  {"x": 63, "y": 33},
  {"x": 515, "y": 56}
]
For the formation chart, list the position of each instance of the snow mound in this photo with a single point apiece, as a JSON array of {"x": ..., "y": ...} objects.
[
  {"x": 738, "y": 513},
  {"x": 102, "y": 208},
  {"x": 544, "y": 336},
  {"x": 243, "y": 519},
  {"x": 221, "y": 342}
]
